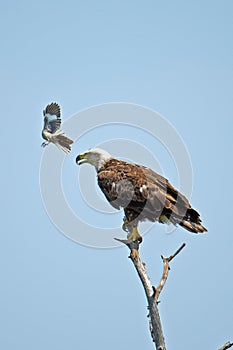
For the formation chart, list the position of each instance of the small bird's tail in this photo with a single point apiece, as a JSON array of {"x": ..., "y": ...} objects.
[
  {"x": 62, "y": 141},
  {"x": 192, "y": 222}
]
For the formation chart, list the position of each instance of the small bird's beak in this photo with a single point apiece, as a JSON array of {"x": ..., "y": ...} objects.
[{"x": 80, "y": 159}]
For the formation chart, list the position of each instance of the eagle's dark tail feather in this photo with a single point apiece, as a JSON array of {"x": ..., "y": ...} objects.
[
  {"x": 192, "y": 222},
  {"x": 63, "y": 142}
]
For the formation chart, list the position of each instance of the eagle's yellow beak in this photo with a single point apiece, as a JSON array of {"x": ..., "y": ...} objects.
[{"x": 80, "y": 159}]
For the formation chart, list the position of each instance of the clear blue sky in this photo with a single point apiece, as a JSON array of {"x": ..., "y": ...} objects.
[{"x": 175, "y": 58}]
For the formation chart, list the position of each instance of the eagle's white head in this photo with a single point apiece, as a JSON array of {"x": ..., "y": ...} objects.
[{"x": 94, "y": 156}]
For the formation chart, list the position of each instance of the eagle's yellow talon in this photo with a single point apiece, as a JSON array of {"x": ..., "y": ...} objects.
[{"x": 134, "y": 235}]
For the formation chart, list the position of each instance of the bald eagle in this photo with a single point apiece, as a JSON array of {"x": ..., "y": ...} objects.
[
  {"x": 141, "y": 192},
  {"x": 51, "y": 131}
]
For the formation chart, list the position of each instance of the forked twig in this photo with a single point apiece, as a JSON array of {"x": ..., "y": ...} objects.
[
  {"x": 166, "y": 269},
  {"x": 151, "y": 292}
]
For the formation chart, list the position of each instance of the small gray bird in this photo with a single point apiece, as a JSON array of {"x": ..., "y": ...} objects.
[{"x": 51, "y": 131}]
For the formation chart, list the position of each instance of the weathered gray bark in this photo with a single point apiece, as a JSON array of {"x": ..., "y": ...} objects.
[
  {"x": 151, "y": 292},
  {"x": 155, "y": 322}
]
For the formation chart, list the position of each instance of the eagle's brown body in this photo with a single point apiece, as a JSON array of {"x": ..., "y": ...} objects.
[{"x": 144, "y": 194}]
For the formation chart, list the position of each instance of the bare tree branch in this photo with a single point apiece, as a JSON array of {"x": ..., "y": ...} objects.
[
  {"x": 227, "y": 345},
  {"x": 166, "y": 269},
  {"x": 151, "y": 292}
]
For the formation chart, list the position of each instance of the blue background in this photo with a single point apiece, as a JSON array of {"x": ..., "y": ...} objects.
[{"x": 174, "y": 57}]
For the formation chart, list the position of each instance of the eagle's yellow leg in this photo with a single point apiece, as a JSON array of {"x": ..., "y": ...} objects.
[{"x": 135, "y": 235}]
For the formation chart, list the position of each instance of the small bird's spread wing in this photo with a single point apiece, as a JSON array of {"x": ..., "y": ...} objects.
[
  {"x": 51, "y": 131},
  {"x": 52, "y": 117}
]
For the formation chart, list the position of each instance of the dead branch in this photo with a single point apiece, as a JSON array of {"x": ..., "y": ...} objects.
[
  {"x": 166, "y": 269},
  {"x": 151, "y": 292},
  {"x": 227, "y": 345}
]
